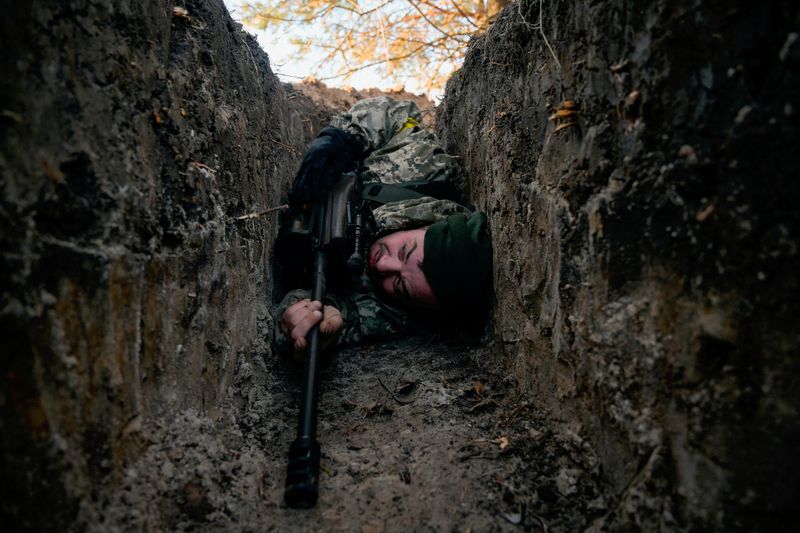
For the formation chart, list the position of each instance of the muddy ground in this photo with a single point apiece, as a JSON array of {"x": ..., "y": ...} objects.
[{"x": 421, "y": 435}]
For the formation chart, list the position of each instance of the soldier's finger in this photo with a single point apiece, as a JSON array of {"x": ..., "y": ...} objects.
[
  {"x": 332, "y": 321},
  {"x": 302, "y": 328},
  {"x": 297, "y": 311},
  {"x": 300, "y": 344},
  {"x": 292, "y": 311}
]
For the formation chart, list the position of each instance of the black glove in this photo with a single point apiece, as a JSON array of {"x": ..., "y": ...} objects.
[{"x": 332, "y": 153}]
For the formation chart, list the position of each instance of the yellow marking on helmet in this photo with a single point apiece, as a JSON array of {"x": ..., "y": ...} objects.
[{"x": 410, "y": 122}]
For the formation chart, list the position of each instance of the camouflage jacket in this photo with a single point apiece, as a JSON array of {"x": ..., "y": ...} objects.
[{"x": 400, "y": 151}]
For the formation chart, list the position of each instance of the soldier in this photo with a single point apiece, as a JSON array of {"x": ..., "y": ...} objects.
[{"x": 432, "y": 260}]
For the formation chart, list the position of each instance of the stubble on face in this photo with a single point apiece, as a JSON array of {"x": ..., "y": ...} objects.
[{"x": 396, "y": 264}]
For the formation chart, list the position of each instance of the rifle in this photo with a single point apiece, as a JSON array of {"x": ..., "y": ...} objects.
[{"x": 336, "y": 224}]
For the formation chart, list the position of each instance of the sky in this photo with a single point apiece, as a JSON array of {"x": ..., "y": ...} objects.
[{"x": 279, "y": 49}]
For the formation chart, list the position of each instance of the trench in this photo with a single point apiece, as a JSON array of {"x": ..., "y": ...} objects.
[
  {"x": 638, "y": 371},
  {"x": 416, "y": 435}
]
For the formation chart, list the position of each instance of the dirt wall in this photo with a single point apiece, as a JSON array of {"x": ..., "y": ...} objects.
[
  {"x": 133, "y": 137},
  {"x": 638, "y": 168}
]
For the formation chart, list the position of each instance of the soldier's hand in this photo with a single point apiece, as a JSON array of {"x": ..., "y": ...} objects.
[
  {"x": 333, "y": 152},
  {"x": 301, "y": 316}
]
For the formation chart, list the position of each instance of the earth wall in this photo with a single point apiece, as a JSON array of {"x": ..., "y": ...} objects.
[
  {"x": 135, "y": 137},
  {"x": 638, "y": 164}
]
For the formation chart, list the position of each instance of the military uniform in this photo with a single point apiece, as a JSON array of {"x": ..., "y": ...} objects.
[{"x": 399, "y": 152}]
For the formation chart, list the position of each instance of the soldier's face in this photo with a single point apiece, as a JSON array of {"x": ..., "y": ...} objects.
[{"x": 396, "y": 262}]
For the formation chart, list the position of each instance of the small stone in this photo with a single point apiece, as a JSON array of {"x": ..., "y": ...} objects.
[
  {"x": 176, "y": 454},
  {"x": 566, "y": 482},
  {"x": 195, "y": 500},
  {"x": 787, "y": 46},
  {"x": 48, "y": 299},
  {"x": 742, "y": 114},
  {"x": 688, "y": 153},
  {"x": 167, "y": 469},
  {"x": 598, "y": 504}
]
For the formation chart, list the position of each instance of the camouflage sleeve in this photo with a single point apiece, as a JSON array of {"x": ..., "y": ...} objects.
[
  {"x": 413, "y": 154},
  {"x": 366, "y": 318},
  {"x": 377, "y": 119},
  {"x": 281, "y": 342},
  {"x": 400, "y": 150},
  {"x": 372, "y": 319},
  {"x": 414, "y": 213}
]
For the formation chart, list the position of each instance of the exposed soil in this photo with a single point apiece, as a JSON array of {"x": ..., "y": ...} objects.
[
  {"x": 419, "y": 435},
  {"x": 139, "y": 391},
  {"x": 637, "y": 161},
  {"x": 640, "y": 373},
  {"x": 323, "y": 99}
]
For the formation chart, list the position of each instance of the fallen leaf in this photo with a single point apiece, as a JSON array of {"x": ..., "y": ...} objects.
[
  {"x": 633, "y": 98},
  {"x": 535, "y": 434},
  {"x": 376, "y": 408},
  {"x": 619, "y": 66},
  {"x": 478, "y": 388},
  {"x": 406, "y": 388},
  {"x": 503, "y": 442},
  {"x": 134, "y": 425},
  {"x": 182, "y": 12},
  {"x": 704, "y": 213},
  {"x": 52, "y": 172},
  {"x": 16, "y": 117},
  {"x": 562, "y": 113}
]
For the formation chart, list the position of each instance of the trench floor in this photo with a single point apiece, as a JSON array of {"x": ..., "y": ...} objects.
[{"x": 418, "y": 435}]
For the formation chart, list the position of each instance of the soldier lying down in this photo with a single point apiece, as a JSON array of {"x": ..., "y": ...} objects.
[{"x": 433, "y": 258}]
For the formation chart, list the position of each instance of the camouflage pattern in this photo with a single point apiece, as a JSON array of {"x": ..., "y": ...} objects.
[
  {"x": 377, "y": 120},
  {"x": 414, "y": 213},
  {"x": 400, "y": 152}
]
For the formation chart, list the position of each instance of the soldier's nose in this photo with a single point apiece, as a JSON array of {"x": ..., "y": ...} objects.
[{"x": 386, "y": 263}]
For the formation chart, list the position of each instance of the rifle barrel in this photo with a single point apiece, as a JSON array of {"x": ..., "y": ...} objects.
[{"x": 302, "y": 476}]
